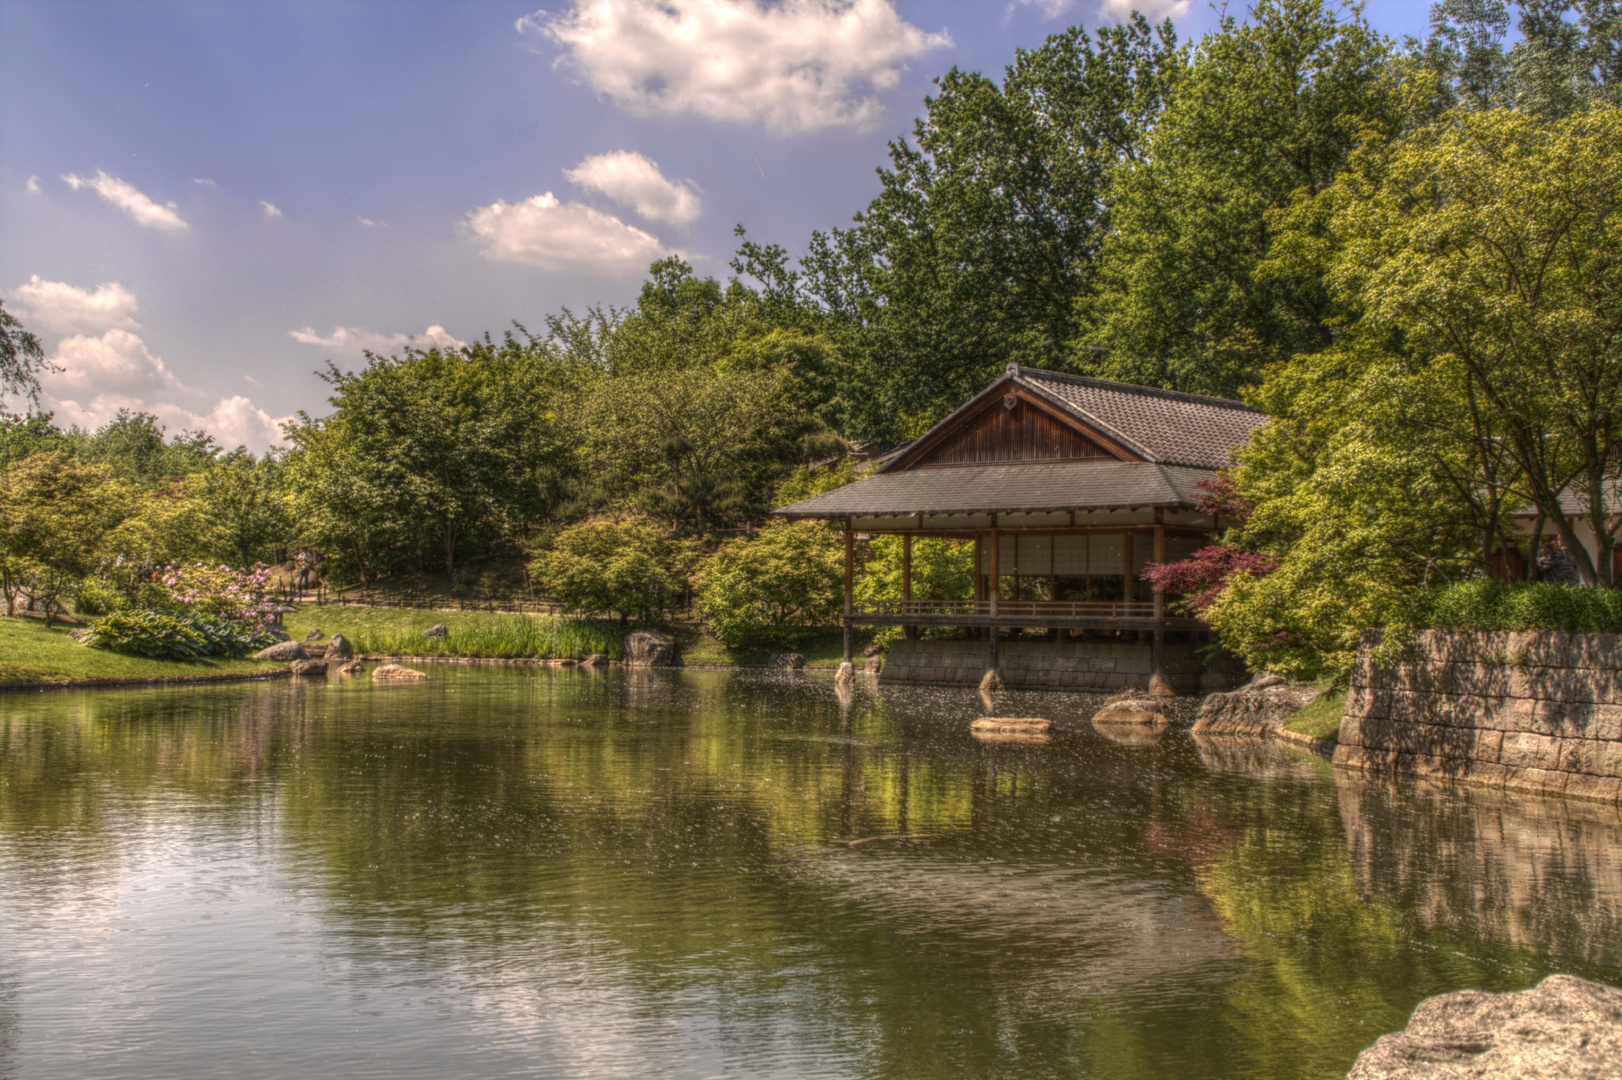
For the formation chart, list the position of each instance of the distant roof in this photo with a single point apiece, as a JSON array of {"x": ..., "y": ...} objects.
[
  {"x": 1022, "y": 487},
  {"x": 1164, "y": 426}
]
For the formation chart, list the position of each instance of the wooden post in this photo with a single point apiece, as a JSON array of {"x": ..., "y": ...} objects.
[
  {"x": 908, "y": 632},
  {"x": 1158, "y": 649},
  {"x": 996, "y": 570},
  {"x": 850, "y": 581}
]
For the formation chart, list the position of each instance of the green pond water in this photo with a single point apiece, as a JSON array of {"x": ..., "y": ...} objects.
[{"x": 517, "y": 872}]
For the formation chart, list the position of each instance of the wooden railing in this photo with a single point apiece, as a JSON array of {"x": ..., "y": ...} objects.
[{"x": 1013, "y": 609}]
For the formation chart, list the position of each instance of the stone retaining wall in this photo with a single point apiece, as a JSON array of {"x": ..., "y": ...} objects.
[
  {"x": 1056, "y": 665},
  {"x": 1537, "y": 711}
]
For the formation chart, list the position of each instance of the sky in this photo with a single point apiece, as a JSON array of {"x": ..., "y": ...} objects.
[{"x": 202, "y": 204}]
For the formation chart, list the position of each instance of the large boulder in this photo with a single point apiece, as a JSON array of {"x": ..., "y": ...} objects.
[
  {"x": 1258, "y": 709},
  {"x": 1565, "y": 1026},
  {"x": 308, "y": 667},
  {"x": 649, "y": 648},
  {"x": 436, "y": 632},
  {"x": 396, "y": 673},
  {"x": 1134, "y": 707},
  {"x": 283, "y": 652},
  {"x": 339, "y": 648}
]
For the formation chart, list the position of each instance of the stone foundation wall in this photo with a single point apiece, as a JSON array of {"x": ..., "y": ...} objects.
[
  {"x": 1537, "y": 711},
  {"x": 1057, "y": 665}
]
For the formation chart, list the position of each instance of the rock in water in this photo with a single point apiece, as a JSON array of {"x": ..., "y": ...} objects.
[
  {"x": 874, "y": 648},
  {"x": 283, "y": 651},
  {"x": 1131, "y": 707},
  {"x": 596, "y": 659},
  {"x": 354, "y": 667},
  {"x": 393, "y": 672},
  {"x": 873, "y": 664},
  {"x": 649, "y": 648},
  {"x": 1565, "y": 1026},
  {"x": 436, "y": 631},
  {"x": 1250, "y": 711},
  {"x": 991, "y": 680},
  {"x": 791, "y": 661},
  {"x": 1013, "y": 725},
  {"x": 339, "y": 648},
  {"x": 846, "y": 674},
  {"x": 1160, "y": 687},
  {"x": 308, "y": 667}
]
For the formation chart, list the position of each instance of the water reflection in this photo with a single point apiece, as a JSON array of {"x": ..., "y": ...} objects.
[{"x": 566, "y": 873}]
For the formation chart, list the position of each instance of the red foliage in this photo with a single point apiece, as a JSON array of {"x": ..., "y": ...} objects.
[
  {"x": 1221, "y": 496},
  {"x": 1202, "y": 576}
]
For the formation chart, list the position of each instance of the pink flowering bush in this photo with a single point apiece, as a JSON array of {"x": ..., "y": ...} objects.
[{"x": 192, "y": 612}]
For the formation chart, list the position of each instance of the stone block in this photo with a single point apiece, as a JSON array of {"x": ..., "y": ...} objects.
[
  {"x": 1592, "y": 756},
  {"x": 1536, "y": 781},
  {"x": 1508, "y": 714},
  {"x": 1564, "y": 684},
  {"x": 1351, "y": 729},
  {"x": 1488, "y": 773},
  {"x": 1580, "y": 719},
  {"x": 1350, "y": 757},
  {"x": 1377, "y": 732},
  {"x": 1487, "y": 746},
  {"x": 1596, "y": 788},
  {"x": 1526, "y": 750}
]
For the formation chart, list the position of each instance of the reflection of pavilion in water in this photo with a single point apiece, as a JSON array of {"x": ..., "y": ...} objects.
[{"x": 1540, "y": 874}]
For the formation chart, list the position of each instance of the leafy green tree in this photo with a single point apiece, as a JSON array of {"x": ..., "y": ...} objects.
[
  {"x": 21, "y": 358},
  {"x": 55, "y": 516},
  {"x": 1268, "y": 107},
  {"x": 1557, "y": 66},
  {"x": 630, "y": 568},
  {"x": 941, "y": 570},
  {"x": 344, "y": 506},
  {"x": 133, "y": 447},
  {"x": 247, "y": 506},
  {"x": 982, "y": 240},
  {"x": 778, "y": 587}
]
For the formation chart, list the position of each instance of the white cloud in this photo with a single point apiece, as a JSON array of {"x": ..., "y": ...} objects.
[
  {"x": 129, "y": 199},
  {"x": 101, "y": 366},
  {"x": 541, "y": 231},
  {"x": 797, "y": 65},
  {"x": 635, "y": 181},
  {"x": 271, "y": 209},
  {"x": 368, "y": 222},
  {"x": 55, "y": 307},
  {"x": 32, "y": 187},
  {"x": 355, "y": 341},
  {"x": 203, "y": 181}
]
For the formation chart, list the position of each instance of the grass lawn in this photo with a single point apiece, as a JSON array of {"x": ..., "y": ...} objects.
[
  {"x": 381, "y": 631},
  {"x": 1321, "y": 719},
  {"x": 32, "y": 654}
]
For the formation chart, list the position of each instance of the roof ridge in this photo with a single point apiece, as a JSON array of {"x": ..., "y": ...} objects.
[{"x": 1019, "y": 371}]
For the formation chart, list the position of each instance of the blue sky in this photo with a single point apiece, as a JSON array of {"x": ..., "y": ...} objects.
[{"x": 202, "y": 203}]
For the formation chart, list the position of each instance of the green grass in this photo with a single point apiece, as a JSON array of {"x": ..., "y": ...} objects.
[
  {"x": 29, "y": 653},
  {"x": 1321, "y": 719},
  {"x": 399, "y": 632}
]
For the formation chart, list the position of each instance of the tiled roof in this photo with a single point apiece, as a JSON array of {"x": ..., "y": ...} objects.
[
  {"x": 1022, "y": 487},
  {"x": 1165, "y": 427}
]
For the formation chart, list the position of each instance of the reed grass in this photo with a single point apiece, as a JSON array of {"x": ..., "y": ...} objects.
[{"x": 400, "y": 632}]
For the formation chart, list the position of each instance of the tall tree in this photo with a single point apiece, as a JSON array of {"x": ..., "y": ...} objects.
[
  {"x": 21, "y": 358},
  {"x": 982, "y": 239},
  {"x": 1269, "y": 107}
]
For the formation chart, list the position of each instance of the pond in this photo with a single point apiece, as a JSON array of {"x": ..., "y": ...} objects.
[{"x": 533, "y": 872}]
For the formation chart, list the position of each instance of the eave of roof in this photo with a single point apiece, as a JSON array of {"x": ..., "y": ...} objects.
[{"x": 1021, "y": 487}]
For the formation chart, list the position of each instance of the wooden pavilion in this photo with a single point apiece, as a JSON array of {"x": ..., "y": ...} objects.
[{"x": 1068, "y": 486}]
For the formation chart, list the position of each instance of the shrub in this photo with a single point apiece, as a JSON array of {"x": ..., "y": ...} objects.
[
  {"x": 941, "y": 570},
  {"x": 630, "y": 568},
  {"x": 778, "y": 587},
  {"x": 1486, "y": 604},
  {"x": 171, "y": 636}
]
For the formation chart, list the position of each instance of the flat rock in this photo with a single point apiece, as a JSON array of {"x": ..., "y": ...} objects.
[
  {"x": 308, "y": 667},
  {"x": 1250, "y": 711},
  {"x": 354, "y": 667},
  {"x": 1132, "y": 707},
  {"x": 283, "y": 651},
  {"x": 394, "y": 672},
  {"x": 1564, "y": 1027},
  {"x": 1013, "y": 725}
]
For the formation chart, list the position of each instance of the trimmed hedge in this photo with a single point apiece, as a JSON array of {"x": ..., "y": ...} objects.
[{"x": 1485, "y": 604}]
